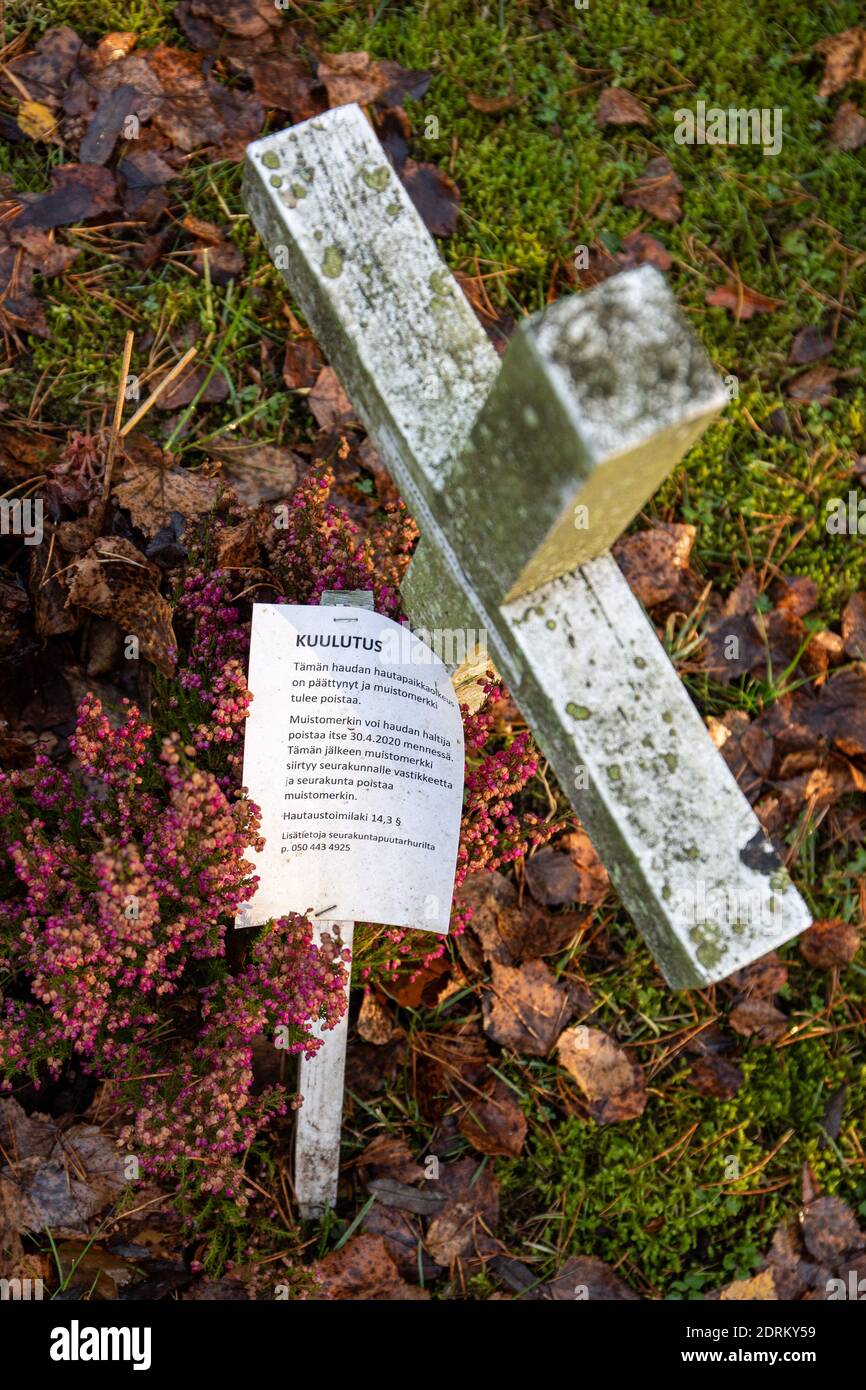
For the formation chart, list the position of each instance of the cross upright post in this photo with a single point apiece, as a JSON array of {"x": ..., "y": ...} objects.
[{"x": 519, "y": 476}]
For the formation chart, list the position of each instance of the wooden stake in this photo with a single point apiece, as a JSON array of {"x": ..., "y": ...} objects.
[{"x": 320, "y": 1079}]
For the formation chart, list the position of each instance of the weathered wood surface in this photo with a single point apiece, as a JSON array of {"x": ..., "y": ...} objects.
[
  {"x": 492, "y": 466},
  {"x": 319, "y": 1120},
  {"x": 320, "y": 1078}
]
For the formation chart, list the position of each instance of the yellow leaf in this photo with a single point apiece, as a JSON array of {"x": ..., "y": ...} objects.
[
  {"x": 761, "y": 1286},
  {"x": 36, "y": 121}
]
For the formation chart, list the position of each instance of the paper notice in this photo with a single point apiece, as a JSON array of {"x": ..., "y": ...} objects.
[{"x": 354, "y": 754}]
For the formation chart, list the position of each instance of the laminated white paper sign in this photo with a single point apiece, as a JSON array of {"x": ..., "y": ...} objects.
[{"x": 354, "y": 754}]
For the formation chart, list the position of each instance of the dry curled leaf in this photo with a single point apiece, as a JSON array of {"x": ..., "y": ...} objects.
[
  {"x": 78, "y": 192},
  {"x": 612, "y": 1082},
  {"x": 52, "y": 617},
  {"x": 150, "y": 493},
  {"x": 715, "y": 1076},
  {"x": 761, "y": 1286},
  {"x": 375, "y": 1022},
  {"x": 53, "y": 1179},
  {"x": 237, "y": 547},
  {"x": 492, "y": 106},
  {"x": 329, "y": 403},
  {"x": 494, "y": 1123},
  {"x": 586, "y": 1278},
  {"x": 818, "y": 384},
  {"x": 830, "y": 1229},
  {"x": 848, "y": 131},
  {"x": 357, "y": 77},
  {"x": 552, "y": 877},
  {"x": 363, "y": 1269},
  {"x": 463, "y": 1230},
  {"x": 740, "y": 301},
  {"x": 114, "y": 580},
  {"x": 616, "y": 106},
  {"x": 658, "y": 191},
  {"x": 828, "y": 944},
  {"x": 854, "y": 627},
  {"x": 526, "y": 1008},
  {"x": 655, "y": 561},
  {"x": 762, "y": 979},
  {"x": 639, "y": 248},
  {"x": 436, "y": 197},
  {"x": 810, "y": 344},
  {"x": 759, "y": 1019},
  {"x": 257, "y": 472},
  {"x": 389, "y": 1156},
  {"x": 845, "y": 60}
]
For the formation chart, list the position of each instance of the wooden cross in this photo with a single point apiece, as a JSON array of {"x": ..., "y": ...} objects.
[{"x": 520, "y": 474}]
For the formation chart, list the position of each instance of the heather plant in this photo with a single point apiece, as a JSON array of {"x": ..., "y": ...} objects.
[
  {"x": 123, "y": 875},
  {"x": 123, "y": 872},
  {"x": 317, "y": 546}
]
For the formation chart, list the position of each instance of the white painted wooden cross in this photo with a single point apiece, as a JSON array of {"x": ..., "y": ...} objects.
[{"x": 520, "y": 474}]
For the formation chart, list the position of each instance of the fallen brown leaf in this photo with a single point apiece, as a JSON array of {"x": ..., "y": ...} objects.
[
  {"x": 364, "y": 1269},
  {"x": 848, "y": 131},
  {"x": 586, "y": 1278},
  {"x": 389, "y": 1156},
  {"x": 658, "y": 191},
  {"x": 302, "y": 363},
  {"x": 830, "y": 1229},
  {"x": 762, "y": 979},
  {"x": 594, "y": 880},
  {"x": 78, "y": 192},
  {"x": 53, "y": 618},
  {"x": 375, "y": 1022},
  {"x": 743, "y": 303},
  {"x": 53, "y": 1179},
  {"x": 358, "y": 77},
  {"x": 114, "y": 580},
  {"x": 759, "y": 1019},
  {"x": 552, "y": 877},
  {"x": 47, "y": 68},
  {"x": 761, "y": 1286},
  {"x": 237, "y": 547},
  {"x": 715, "y": 1076},
  {"x": 494, "y": 1123},
  {"x": 818, "y": 384},
  {"x": 828, "y": 944},
  {"x": 810, "y": 344},
  {"x": 463, "y": 1230},
  {"x": 257, "y": 472},
  {"x": 655, "y": 561},
  {"x": 845, "y": 60},
  {"x": 150, "y": 493},
  {"x": 526, "y": 1008},
  {"x": 612, "y": 1082},
  {"x": 616, "y": 106},
  {"x": 854, "y": 627},
  {"x": 286, "y": 83},
  {"x": 329, "y": 403},
  {"x": 639, "y": 248},
  {"x": 436, "y": 197}
]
